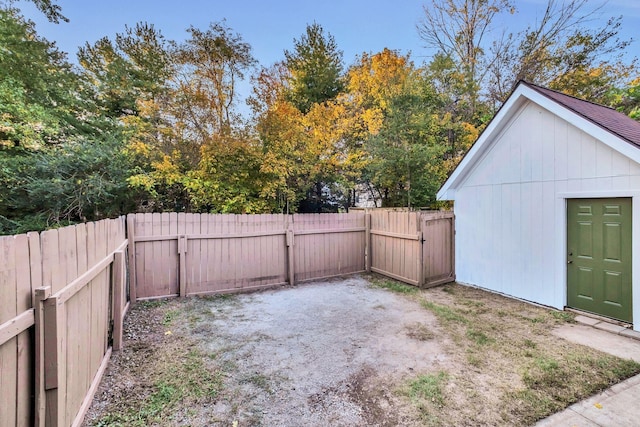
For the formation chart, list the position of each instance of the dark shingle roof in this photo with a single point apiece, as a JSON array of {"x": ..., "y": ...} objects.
[{"x": 605, "y": 117}]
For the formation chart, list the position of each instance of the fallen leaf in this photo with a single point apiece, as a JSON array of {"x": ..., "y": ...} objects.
[
  {"x": 168, "y": 333},
  {"x": 598, "y": 405}
]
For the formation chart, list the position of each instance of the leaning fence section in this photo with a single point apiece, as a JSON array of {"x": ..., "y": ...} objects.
[{"x": 62, "y": 292}]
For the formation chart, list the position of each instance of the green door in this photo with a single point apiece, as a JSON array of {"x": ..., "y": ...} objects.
[{"x": 599, "y": 256}]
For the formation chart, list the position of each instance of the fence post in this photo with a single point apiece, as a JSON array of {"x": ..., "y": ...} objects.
[
  {"x": 55, "y": 362},
  {"x": 182, "y": 253},
  {"x": 40, "y": 294},
  {"x": 367, "y": 242},
  {"x": 131, "y": 236},
  {"x": 290, "y": 243},
  {"x": 118, "y": 290},
  {"x": 420, "y": 256}
]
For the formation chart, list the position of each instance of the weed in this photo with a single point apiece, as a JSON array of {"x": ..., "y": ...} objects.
[
  {"x": 564, "y": 316},
  {"x": 530, "y": 344},
  {"x": 474, "y": 359},
  {"x": 445, "y": 313},
  {"x": 419, "y": 332},
  {"x": 169, "y": 316},
  {"x": 448, "y": 289},
  {"x": 394, "y": 286},
  {"x": 259, "y": 380},
  {"x": 149, "y": 304}
]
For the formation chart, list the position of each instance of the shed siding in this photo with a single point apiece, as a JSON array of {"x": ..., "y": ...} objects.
[{"x": 507, "y": 223}]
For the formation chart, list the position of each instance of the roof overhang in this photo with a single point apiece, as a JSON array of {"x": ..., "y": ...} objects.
[{"x": 522, "y": 94}]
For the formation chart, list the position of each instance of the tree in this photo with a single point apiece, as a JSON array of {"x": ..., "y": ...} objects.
[
  {"x": 459, "y": 30},
  {"x": 41, "y": 99},
  {"x": 315, "y": 67},
  {"x": 565, "y": 52},
  {"x": 135, "y": 67},
  {"x": 211, "y": 64},
  {"x": 406, "y": 156},
  {"x": 52, "y": 11}
]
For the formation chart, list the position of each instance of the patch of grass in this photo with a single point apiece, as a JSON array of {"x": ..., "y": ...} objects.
[
  {"x": 448, "y": 289},
  {"x": 444, "y": 312},
  {"x": 428, "y": 387},
  {"x": 509, "y": 351},
  {"x": 394, "y": 286},
  {"x": 179, "y": 376},
  {"x": 474, "y": 359},
  {"x": 259, "y": 380},
  {"x": 154, "y": 303},
  {"x": 478, "y": 337},
  {"x": 180, "y": 381}
]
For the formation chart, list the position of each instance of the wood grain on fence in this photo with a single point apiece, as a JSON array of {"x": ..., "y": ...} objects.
[
  {"x": 77, "y": 262},
  {"x": 17, "y": 318},
  {"x": 438, "y": 230},
  {"x": 396, "y": 245},
  {"x": 327, "y": 245},
  {"x": 414, "y": 247},
  {"x": 56, "y": 289},
  {"x": 231, "y": 253}
]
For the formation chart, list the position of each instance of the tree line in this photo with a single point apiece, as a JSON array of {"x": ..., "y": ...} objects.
[{"x": 143, "y": 123}]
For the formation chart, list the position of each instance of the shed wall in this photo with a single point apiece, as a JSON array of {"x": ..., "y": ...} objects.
[{"x": 511, "y": 210}]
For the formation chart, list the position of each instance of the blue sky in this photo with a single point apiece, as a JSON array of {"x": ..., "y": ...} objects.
[{"x": 270, "y": 26}]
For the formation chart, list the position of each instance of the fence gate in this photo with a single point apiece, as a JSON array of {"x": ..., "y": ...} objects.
[
  {"x": 413, "y": 247},
  {"x": 438, "y": 254}
]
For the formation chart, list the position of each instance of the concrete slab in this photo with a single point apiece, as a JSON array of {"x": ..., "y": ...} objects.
[
  {"x": 586, "y": 320},
  {"x": 629, "y": 333},
  {"x": 616, "y": 406},
  {"x": 610, "y": 327},
  {"x": 602, "y": 340},
  {"x": 567, "y": 417}
]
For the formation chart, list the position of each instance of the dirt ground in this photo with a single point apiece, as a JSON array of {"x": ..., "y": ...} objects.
[
  {"x": 324, "y": 353},
  {"x": 341, "y": 352}
]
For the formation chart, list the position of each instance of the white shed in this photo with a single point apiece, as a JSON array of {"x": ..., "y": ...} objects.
[{"x": 547, "y": 205}]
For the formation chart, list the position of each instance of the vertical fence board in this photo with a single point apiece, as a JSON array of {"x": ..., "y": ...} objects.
[{"x": 8, "y": 353}]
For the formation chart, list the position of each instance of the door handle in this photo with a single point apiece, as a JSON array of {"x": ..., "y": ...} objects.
[{"x": 570, "y": 262}]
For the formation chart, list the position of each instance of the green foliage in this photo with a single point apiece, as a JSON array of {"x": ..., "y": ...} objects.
[
  {"x": 315, "y": 65},
  {"x": 445, "y": 313},
  {"x": 41, "y": 100},
  {"x": 72, "y": 182},
  {"x": 429, "y": 388},
  {"x": 407, "y": 153},
  {"x": 394, "y": 286}
]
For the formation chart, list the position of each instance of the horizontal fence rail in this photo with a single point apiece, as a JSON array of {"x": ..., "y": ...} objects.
[
  {"x": 65, "y": 292},
  {"x": 191, "y": 254},
  {"x": 62, "y": 291}
]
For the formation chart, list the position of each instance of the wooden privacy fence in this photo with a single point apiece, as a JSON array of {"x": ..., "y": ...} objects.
[
  {"x": 189, "y": 254},
  {"x": 61, "y": 292},
  {"x": 413, "y": 247},
  {"x": 64, "y": 292}
]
